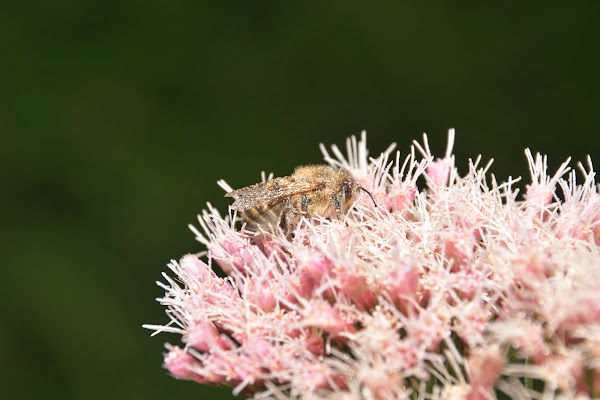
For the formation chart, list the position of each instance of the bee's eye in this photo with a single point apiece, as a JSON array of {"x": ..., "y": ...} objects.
[{"x": 347, "y": 189}]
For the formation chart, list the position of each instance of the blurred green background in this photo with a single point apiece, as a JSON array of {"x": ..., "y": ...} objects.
[{"x": 118, "y": 117}]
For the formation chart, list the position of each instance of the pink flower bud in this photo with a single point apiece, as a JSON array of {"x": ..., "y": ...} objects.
[
  {"x": 485, "y": 366},
  {"x": 203, "y": 336},
  {"x": 179, "y": 364},
  {"x": 439, "y": 171},
  {"x": 321, "y": 314}
]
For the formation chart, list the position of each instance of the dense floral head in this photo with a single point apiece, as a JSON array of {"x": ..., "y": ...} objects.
[{"x": 450, "y": 288}]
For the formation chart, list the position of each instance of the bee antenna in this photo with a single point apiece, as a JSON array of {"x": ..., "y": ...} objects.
[{"x": 369, "y": 193}]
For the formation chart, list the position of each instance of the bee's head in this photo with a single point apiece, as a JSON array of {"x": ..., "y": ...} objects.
[{"x": 348, "y": 189}]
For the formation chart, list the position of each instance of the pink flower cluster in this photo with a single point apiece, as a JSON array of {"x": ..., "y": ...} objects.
[{"x": 451, "y": 288}]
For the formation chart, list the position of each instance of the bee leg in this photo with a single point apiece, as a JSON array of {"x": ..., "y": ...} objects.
[
  {"x": 304, "y": 204},
  {"x": 287, "y": 226},
  {"x": 283, "y": 223},
  {"x": 336, "y": 202}
]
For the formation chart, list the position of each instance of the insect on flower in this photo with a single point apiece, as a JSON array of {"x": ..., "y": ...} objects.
[{"x": 312, "y": 190}]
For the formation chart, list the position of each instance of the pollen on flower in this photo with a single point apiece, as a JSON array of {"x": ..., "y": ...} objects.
[{"x": 453, "y": 287}]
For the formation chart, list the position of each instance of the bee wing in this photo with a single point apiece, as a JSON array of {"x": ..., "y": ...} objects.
[{"x": 270, "y": 192}]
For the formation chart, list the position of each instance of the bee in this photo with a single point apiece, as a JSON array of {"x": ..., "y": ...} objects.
[{"x": 312, "y": 190}]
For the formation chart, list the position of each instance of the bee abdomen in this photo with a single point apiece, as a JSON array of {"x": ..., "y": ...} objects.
[{"x": 264, "y": 216}]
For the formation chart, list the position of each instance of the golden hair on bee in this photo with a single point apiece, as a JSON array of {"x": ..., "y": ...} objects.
[{"x": 312, "y": 190}]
